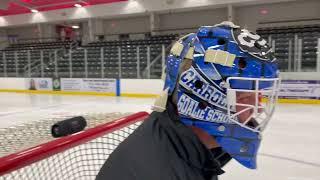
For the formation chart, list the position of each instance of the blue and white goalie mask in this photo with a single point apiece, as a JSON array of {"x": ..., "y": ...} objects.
[{"x": 229, "y": 90}]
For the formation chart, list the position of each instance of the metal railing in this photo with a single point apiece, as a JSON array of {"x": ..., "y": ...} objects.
[
  {"x": 154, "y": 65},
  {"x": 89, "y": 62},
  {"x": 297, "y": 54},
  {"x": 38, "y": 65},
  {"x": 35, "y": 40},
  {"x": 294, "y": 54}
]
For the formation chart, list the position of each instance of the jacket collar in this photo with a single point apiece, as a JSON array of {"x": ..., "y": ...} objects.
[{"x": 190, "y": 148}]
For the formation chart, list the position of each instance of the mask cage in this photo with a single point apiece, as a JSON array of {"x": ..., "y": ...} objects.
[{"x": 251, "y": 101}]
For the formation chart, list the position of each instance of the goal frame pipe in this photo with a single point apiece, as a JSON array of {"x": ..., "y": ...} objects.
[{"x": 37, "y": 153}]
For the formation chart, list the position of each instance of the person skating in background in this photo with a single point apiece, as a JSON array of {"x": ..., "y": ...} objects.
[{"x": 32, "y": 85}]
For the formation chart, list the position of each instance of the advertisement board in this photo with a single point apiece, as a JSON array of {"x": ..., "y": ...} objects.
[
  {"x": 302, "y": 89},
  {"x": 38, "y": 84},
  {"x": 88, "y": 85}
]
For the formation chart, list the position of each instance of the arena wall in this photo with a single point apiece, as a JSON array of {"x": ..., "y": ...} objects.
[
  {"x": 305, "y": 89},
  {"x": 278, "y": 14},
  {"x": 134, "y": 18}
]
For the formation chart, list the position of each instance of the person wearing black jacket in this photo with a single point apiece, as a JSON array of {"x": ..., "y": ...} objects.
[
  {"x": 210, "y": 110},
  {"x": 162, "y": 148}
]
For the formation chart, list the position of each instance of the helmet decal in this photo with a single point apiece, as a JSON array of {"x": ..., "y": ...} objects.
[
  {"x": 187, "y": 106},
  {"x": 207, "y": 92},
  {"x": 253, "y": 44}
]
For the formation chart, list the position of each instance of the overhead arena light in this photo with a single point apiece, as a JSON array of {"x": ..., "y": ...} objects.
[
  {"x": 75, "y": 27},
  {"x": 78, "y": 5},
  {"x": 34, "y": 10}
]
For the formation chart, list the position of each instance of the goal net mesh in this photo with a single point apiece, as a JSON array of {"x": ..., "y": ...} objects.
[{"x": 28, "y": 151}]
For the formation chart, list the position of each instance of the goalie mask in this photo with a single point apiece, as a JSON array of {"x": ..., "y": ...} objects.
[{"x": 230, "y": 90}]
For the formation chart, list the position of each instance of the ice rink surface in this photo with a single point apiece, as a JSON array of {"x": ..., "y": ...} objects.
[{"x": 290, "y": 148}]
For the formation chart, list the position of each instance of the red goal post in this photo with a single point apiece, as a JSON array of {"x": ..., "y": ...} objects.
[{"x": 78, "y": 156}]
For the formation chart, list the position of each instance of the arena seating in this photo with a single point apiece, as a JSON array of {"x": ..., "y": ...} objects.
[
  {"x": 39, "y": 45},
  {"x": 128, "y": 50},
  {"x": 16, "y": 56},
  {"x": 109, "y": 50},
  {"x": 283, "y": 35}
]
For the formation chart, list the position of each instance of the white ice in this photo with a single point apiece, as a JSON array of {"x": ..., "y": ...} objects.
[
  {"x": 20, "y": 108},
  {"x": 290, "y": 148}
]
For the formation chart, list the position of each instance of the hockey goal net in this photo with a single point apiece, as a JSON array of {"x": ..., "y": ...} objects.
[{"x": 29, "y": 152}]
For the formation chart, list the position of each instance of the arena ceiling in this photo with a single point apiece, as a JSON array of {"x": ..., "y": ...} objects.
[{"x": 13, "y": 7}]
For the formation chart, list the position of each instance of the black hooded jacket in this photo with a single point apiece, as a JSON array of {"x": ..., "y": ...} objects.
[{"x": 162, "y": 148}]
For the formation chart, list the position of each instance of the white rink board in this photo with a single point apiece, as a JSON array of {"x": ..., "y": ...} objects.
[
  {"x": 141, "y": 86},
  {"x": 13, "y": 83},
  {"x": 131, "y": 86}
]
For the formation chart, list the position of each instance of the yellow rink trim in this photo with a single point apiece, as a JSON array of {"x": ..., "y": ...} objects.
[
  {"x": 299, "y": 101},
  {"x": 139, "y": 95},
  {"x": 136, "y": 95},
  {"x": 58, "y": 92}
]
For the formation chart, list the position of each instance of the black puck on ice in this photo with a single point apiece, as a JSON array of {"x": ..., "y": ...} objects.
[{"x": 68, "y": 126}]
